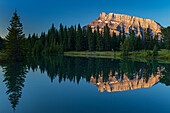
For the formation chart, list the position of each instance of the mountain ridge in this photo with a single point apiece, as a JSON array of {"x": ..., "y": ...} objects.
[{"x": 118, "y": 22}]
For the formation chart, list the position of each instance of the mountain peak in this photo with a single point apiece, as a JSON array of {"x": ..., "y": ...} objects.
[
  {"x": 103, "y": 15},
  {"x": 118, "y": 22}
]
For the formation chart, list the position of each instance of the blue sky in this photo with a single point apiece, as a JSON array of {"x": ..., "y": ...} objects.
[{"x": 38, "y": 15}]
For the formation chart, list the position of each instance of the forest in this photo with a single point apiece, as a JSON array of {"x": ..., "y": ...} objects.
[{"x": 75, "y": 38}]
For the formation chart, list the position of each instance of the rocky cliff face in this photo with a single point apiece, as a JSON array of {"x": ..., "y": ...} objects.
[
  {"x": 116, "y": 83},
  {"x": 118, "y": 22}
]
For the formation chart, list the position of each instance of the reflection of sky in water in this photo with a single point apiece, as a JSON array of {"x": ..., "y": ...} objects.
[
  {"x": 40, "y": 95},
  {"x": 0, "y": 70}
]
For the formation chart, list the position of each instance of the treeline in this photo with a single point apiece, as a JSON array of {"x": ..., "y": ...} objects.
[
  {"x": 57, "y": 41},
  {"x": 78, "y": 39}
]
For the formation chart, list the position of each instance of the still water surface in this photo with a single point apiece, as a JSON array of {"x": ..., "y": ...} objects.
[{"x": 84, "y": 85}]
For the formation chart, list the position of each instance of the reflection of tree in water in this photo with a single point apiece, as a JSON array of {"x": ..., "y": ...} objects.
[
  {"x": 75, "y": 68},
  {"x": 166, "y": 75},
  {"x": 14, "y": 80}
]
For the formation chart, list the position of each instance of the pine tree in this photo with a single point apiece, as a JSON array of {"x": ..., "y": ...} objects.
[
  {"x": 43, "y": 38},
  {"x": 38, "y": 47},
  {"x": 155, "y": 51},
  {"x": 71, "y": 39},
  {"x": 119, "y": 40},
  {"x": 127, "y": 46},
  {"x": 1, "y": 43},
  {"x": 46, "y": 48},
  {"x": 114, "y": 41},
  {"x": 132, "y": 37},
  {"x": 138, "y": 44},
  {"x": 61, "y": 34},
  {"x": 107, "y": 38},
  {"x": 15, "y": 40},
  {"x": 65, "y": 40},
  {"x": 123, "y": 36},
  {"x": 85, "y": 40},
  {"x": 148, "y": 38},
  {"x": 155, "y": 41},
  {"x": 99, "y": 44},
  {"x": 51, "y": 36},
  {"x": 91, "y": 42},
  {"x": 166, "y": 36},
  {"x": 34, "y": 38},
  {"x": 95, "y": 39},
  {"x": 29, "y": 45},
  {"x": 79, "y": 44}
]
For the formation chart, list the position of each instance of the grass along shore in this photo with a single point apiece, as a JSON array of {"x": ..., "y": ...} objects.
[
  {"x": 162, "y": 54},
  {"x": 142, "y": 56}
]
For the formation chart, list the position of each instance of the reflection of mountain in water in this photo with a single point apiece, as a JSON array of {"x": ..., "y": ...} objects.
[
  {"x": 106, "y": 74},
  {"x": 116, "y": 83}
]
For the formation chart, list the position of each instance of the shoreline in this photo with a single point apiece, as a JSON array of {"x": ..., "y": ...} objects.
[
  {"x": 163, "y": 57},
  {"x": 163, "y": 54},
  {"x": 117, "y": 55}
]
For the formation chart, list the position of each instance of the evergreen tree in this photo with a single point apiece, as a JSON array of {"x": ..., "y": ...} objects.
[
  {"x": 155, "y": 41},
  {"x": 43, "y": 38},
  {"x": 29, "y": 45},
  {"x": 122, "y": 48},
  {"x": 15, "y": 40},
  {"x": 51, "y": 36},
  {"x": 79, "y": 45},
  {"x": 34, "y": 38},
  {"x": 71, "y": 39},
  {"x": 114, "y": 41},
  {"x": 53, "y": 48},
  {"x": 138, "y": 43},
  {"x": 85, "y": 40},
  {"x": 95, "y": 39},
  {"x": 91, "y": 43},
  {"x": 132, "y": 37},
  {"x": 119, "y": 40},
  {"x": 123, "y": 36},
  {"x": 1, "y": 43},
  {"x": 59, "y": 49},
  {"x": 128, "y": 44},
  {"x": 99, "y": 42},
  {"x": 166, "y": 36},
  {"x": 46, "y": 48},
  {"x": 155, "y": 51},
  {"x": 65, "y": 41},
  {"x": 61, "y": 34},
  {"x": 162, "y": 44},
  {"x": 38, "y": 47},
  {"x": 107, "y": 38},
  {"x": 148, "y": 38}
]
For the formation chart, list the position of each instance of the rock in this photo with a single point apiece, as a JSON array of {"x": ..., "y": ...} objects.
[{"x": 118, "y": 22}]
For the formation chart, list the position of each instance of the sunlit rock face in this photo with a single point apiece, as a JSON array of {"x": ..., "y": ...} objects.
[
  {"x": 116, "y": 83},
  {"x": 117, "y": 22}
]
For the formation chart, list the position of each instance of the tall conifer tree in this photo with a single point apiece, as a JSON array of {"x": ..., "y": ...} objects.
[
  {"x": 79, "y": 39},
  {"x": 15, "y": 46}
]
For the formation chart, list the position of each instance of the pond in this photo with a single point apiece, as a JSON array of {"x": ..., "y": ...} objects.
[{"x": 63, "y": 84}]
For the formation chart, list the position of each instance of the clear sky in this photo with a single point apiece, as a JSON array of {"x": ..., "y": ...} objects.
[{"x": 38, "y": 15}]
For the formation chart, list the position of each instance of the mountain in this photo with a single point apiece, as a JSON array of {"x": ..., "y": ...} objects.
[{"x": 118, "y": 22}]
